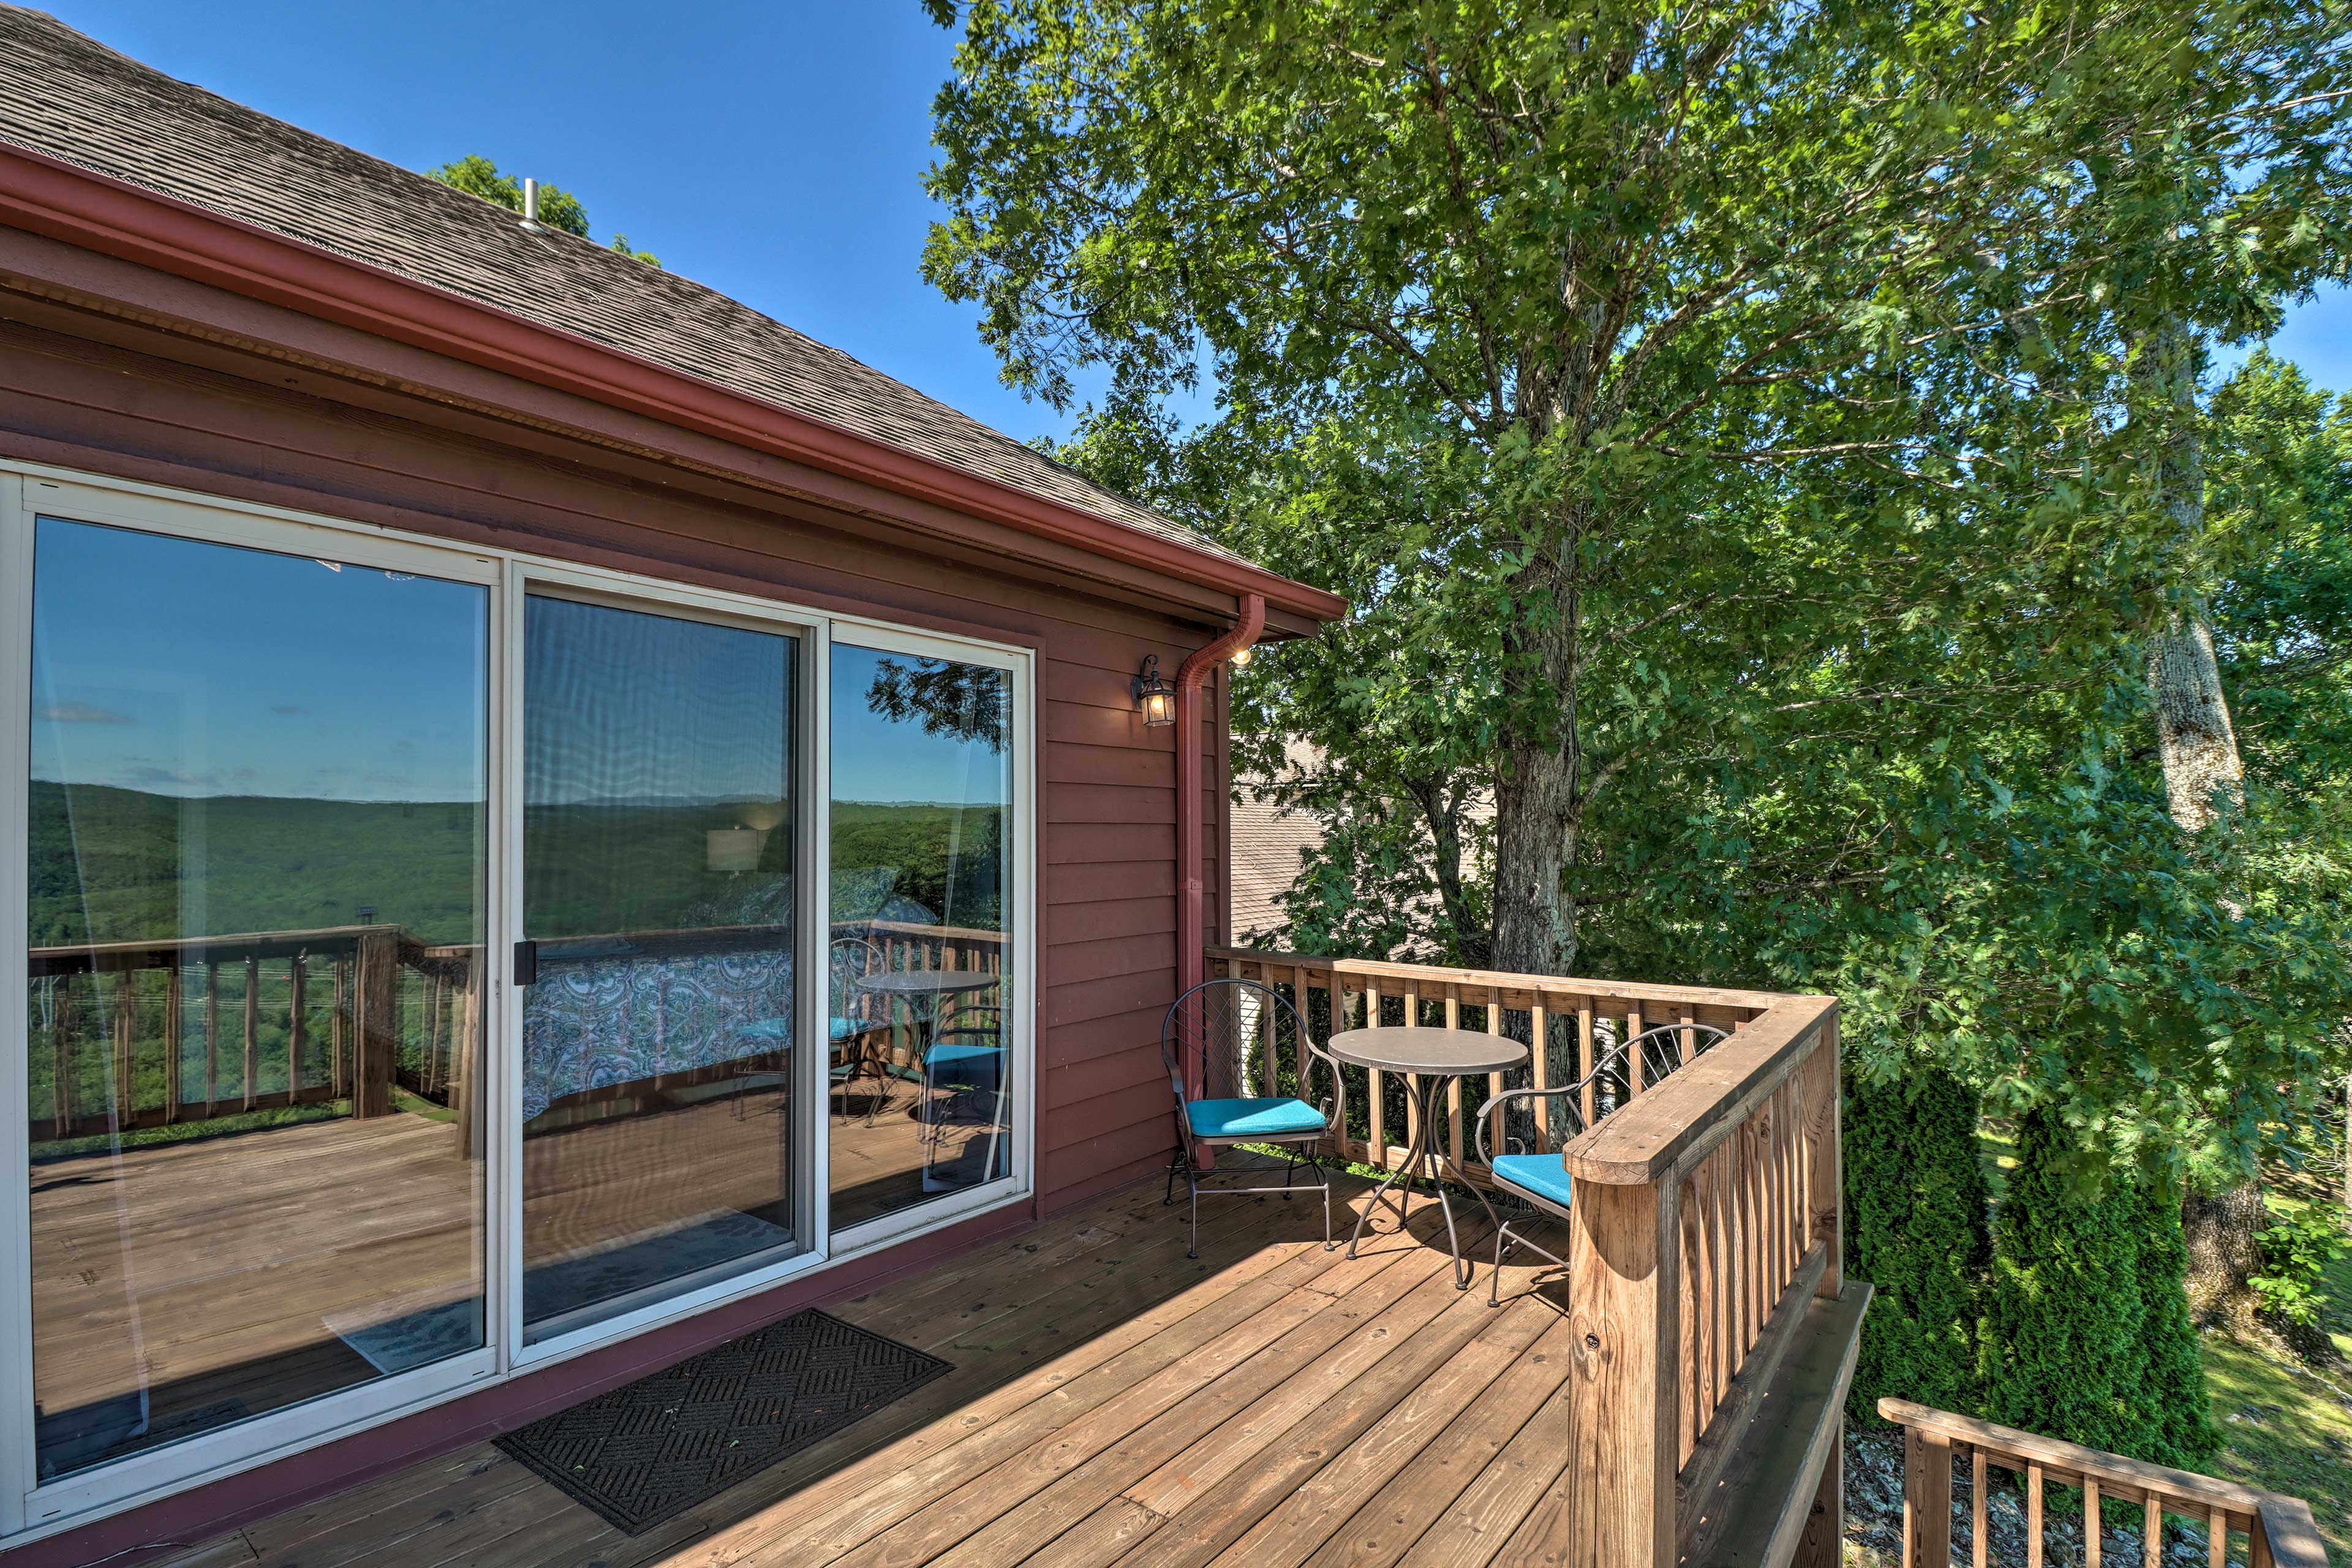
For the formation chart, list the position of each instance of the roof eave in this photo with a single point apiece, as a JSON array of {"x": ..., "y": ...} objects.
[{"x": 97, "y": 211}]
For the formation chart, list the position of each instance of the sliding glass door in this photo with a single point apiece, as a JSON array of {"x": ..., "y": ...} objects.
[
  {"x": 257, "y": 836},
  {"x": 437, "y": 962},
  {"x": 921, "y": 846},
  {"x": 658, "y": 916}
]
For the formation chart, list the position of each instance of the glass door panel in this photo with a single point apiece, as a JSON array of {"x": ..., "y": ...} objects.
[
  {"x": 658, "y": 886},
  {"x": 259, "y": 810},
  {"x": 920, "y": 1059}
]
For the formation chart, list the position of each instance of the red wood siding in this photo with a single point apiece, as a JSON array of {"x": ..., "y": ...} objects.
[{"x": 1107, "y": 876}]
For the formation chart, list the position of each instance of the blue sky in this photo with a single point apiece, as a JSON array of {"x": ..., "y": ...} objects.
[{"x": 772, "y": 151}]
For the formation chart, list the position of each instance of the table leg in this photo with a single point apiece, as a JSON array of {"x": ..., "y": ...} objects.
[
  {"x": 1412, "y": 1157},
  {"x": 1464, "y": 1268}
]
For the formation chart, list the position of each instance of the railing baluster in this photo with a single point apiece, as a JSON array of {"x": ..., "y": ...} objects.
[
  {"x": 1493, "y": 1027},
  {"x": 2033, "y": 1545},
  {"x": 2217, "y": 1537},
  {"x": 1379, "y": 1124},
  {"x": 1980, "y": 1537},
  {"x": 295, "y": 969},
  {"x": 252, "y": 1027},
  {"x": 1584, "y": 1057},
  {"x": 212, "y": 1038},
  {"x": 68, "y": 1022},
  {"x": 172, "y": 1027},
  {"x": 1453, "y": 1085},
  {"x": 125, "y": 1111},
  {"x": 2090, "y": 1521},
  {"x": 1539, "y": 1065},
  {"x": 2152, "y": 1533}
]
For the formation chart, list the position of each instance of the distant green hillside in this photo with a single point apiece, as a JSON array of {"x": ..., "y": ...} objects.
[
  {"x": 124, "y": 864},
  {"x": 120, "y": 865}
]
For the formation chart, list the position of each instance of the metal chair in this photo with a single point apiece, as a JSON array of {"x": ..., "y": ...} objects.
[
  {"x": 852, "y": 1023},
  {"x": 967, "y": 1061},
  {"x": 1539, "y": 1181},
  {"x": 1212, "y": 1037}
]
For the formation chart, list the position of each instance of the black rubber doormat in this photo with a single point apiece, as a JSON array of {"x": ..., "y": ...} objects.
[{"x": 660, "y": 1444}]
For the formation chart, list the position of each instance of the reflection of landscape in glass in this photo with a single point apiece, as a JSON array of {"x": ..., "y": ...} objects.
[
  {"x": 921, "y": 785},
  {"x": 657, "y": 882},
  {"x": 257, "y": 864},
  {"x": 920, "y": 781},
  {"x": 642, "y": 734}
]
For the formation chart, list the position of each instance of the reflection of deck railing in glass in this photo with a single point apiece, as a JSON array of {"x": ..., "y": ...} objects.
[
  {"x": 905, "y": 945},
  {"x": 268, "y": 1020},
  {"x": 135, "y": 1035}
]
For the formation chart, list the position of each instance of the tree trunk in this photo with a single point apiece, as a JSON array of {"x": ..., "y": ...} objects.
[
  {"x": 1538, "y": 806},
  {"x": 1442, "y": 809},
  {"x": 2203, "y": 776},
  {"x": 1535, "y": 923},
  {"x": 2203, "y": 773},
  {"x": 2222, "y": 1253}
]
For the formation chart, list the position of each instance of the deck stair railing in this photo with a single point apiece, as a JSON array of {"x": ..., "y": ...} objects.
[
  {"x": 2279, "y": 1531},
  {"x": 1704, "y": 1264}
]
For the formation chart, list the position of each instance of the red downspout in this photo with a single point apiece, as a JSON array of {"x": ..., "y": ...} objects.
[{"x": 1191, "y": 959}]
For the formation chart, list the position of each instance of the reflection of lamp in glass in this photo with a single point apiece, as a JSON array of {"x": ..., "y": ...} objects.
[
  {"x": 1154, "y": 695},
  {"x": 733, "y": 849}
]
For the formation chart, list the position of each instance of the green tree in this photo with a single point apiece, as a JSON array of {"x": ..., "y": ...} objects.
[
  {"x": 2061, "y": 1340},
  {"x": 558, "y": 208},
  {"x": 1917, "y": 1229},
  {"x": 1584, "y": 275}
]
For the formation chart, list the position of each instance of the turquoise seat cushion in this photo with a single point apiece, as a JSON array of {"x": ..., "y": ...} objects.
[
  {"x": 944, "y": 1057},
  {"x": 1254, "y": 1118},
  {"x": 845, "y": 1028},
  {"x": 1541, "y": 1175}
]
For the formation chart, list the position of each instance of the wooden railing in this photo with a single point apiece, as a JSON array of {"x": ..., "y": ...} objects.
[
  {"x": 112, "y": 1026},
  {"x": 2277, "y": 1530},
  {"x": 1577, "y": 1020},
  {"x": 1706, "y": 1270}
]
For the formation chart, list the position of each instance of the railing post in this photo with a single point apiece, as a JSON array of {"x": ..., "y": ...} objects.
[
  {"x": 375, "y": 1047},
  {"x": 1625, "y": 1431}
]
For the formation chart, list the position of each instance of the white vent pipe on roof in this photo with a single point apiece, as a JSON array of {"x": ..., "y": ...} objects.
[{"x": 530, "y": 206}]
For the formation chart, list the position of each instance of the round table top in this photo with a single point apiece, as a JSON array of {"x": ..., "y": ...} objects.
[
  {"x": 1416, "y": 1047},
  {"x": 927, "y": 982}
]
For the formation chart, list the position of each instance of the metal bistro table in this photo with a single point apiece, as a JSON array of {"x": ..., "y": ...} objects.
[
  {"x": 1435, "y": 1057},
  {"x": 923, "y": 989}
]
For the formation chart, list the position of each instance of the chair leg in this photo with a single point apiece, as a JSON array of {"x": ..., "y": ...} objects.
[
  {"x": 1502, "y": 1245},
  {"x": 1192, "y": 1186}
]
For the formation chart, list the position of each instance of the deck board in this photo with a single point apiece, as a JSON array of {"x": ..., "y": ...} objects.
[{"x": 1112, "y": 1401}]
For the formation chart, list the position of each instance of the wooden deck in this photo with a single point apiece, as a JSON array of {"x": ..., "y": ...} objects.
[{"x": 1112, "y": 1401}]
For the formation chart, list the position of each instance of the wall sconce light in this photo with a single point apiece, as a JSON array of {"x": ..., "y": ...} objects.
[
  {"x": 1154, "y": 696},
  {"x": 1242, "y": 656}
]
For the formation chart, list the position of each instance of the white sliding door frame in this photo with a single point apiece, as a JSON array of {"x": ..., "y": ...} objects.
[
  {"x": 176, "y": 1467},
  {"x": 29, "y": 1510}
]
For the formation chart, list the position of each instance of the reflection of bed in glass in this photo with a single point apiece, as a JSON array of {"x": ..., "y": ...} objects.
[{"x": 656, "y": 1105}]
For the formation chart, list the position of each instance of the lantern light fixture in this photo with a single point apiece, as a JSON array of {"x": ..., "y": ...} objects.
[
  {"x": 1242, "y": 656},
  {"x": 1154, "y": 695}
]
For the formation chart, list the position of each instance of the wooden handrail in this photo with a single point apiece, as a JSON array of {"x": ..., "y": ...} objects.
[
  {"x": 2278, "y": 1529},
  {"x": 1695, "y": 1107},
  {"x": 1707, "y": 1273}
]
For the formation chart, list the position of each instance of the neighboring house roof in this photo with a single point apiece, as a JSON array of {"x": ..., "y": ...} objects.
[
  {"x": 67, "y": 97},
  {"x": 1265, "y": 841}
]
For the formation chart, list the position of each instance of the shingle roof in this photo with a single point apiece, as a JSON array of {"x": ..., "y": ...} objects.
[{"x": 72, "y": 98}]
